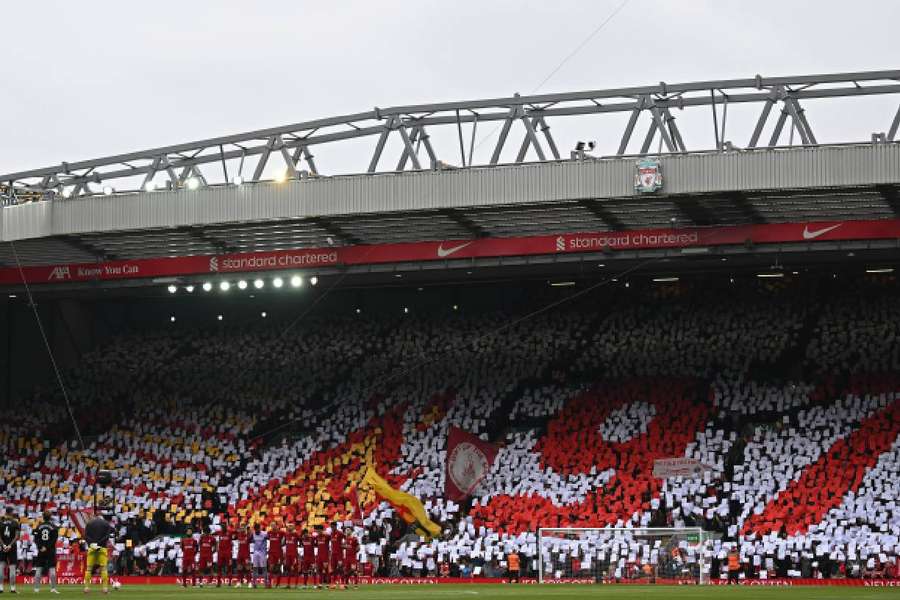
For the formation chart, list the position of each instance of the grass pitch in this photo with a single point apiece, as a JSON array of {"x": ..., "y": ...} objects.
[{"x": 476, "y": 591}]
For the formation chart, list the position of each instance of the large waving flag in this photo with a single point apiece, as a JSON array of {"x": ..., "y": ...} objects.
[{"x": 407, "y": 506}]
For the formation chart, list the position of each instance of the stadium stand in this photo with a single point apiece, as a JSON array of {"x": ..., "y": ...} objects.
[{"x": 790, "y": 404}]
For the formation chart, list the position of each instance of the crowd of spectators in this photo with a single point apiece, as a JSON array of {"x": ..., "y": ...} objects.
[{"x": 272, "y": 424}]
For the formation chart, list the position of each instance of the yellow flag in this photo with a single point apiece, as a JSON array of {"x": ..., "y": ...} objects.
[{"x": 408, "y": 506}]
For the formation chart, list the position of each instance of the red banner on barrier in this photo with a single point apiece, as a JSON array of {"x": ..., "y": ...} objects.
[
  {"x": 228, "y": 581},
  {"x": 312, "y": 258}
]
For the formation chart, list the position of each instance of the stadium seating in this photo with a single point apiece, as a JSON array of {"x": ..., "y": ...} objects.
[{"x": 790, "y": 405}]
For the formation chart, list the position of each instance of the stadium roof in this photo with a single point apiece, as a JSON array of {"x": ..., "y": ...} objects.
[{"x": 186, "y": 201}]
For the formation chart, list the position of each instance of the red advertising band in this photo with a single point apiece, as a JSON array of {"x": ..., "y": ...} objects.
[
  {"x": 366, "y": 580},
  {"x": 312, "y": 258}
]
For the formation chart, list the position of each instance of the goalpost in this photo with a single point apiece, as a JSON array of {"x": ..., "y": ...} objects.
[{"x": 635, "y": 555}]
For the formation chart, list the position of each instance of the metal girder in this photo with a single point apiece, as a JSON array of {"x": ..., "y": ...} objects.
[
  {"x": 892, "y": 132},
  {"x": 597, "y": 209},
  {"x": 465, "y": 222},
  {"x": 96, "y": 251},
  {"x": 891, "y": 195},
  {"x": 332, "y": 228},
  {"x": 739, "y": 200},
  {"x": 189, "y": 158},
  {"x": 198, "y": 233},
  {"x": 691, "y": 208}
]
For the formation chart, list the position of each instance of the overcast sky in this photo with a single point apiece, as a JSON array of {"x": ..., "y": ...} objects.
[{"x": 91, "y": 78}]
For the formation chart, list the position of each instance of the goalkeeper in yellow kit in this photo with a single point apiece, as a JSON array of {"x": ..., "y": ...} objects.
[{"x": 96, "y": 535}]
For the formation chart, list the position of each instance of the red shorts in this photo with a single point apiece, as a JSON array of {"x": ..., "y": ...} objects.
[
  {"x": 205, "y": 562},
  {"x": 187, "y": 564},
  {"x": 243, "y": 559},
  {"x": 274, "y": 559},
  {"x": 308, "y": 567}
]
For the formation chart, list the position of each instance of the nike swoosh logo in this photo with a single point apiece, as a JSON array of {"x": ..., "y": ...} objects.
[
  {"x": 445, "y": 252},
  {"x": 811, "y": 235}
]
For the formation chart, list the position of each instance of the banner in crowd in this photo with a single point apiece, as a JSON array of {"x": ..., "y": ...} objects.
[
  {"x": 569, "y": 243},
  {"x": 407, "y": 506},
  {"x": 679, "y": 467},
  {"x": 469, "y": 460}
]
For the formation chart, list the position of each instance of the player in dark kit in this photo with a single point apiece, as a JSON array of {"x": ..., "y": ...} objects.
[
  {"x": 45, "y": 537},
  {"x": 223, "y": 555},
  {"x": 9, "y": 555},
  {"x": 308, "y": 564},
  {"x": 188, "y": 558},
  {"x": 291, "y": 555},
  {"x": 207, "y": 547},
  {"x": 323, "y": 547},
  {"x": 337, "y": 557}
]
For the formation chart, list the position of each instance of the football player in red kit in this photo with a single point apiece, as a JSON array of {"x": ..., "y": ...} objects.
[
  {"x": 291, "y": 555},
  {"x": 188, "y": 558},
  {"x": 351, "y": 560},
  {"x": 337, "y": 557},
  {"x": 243, "y": 557},
  {"x": 308, "y": 560},
  {"x": 323, "y": 547},
  {"x": 207, "y": 547},
  {"x": 223, "y": 558},
  {"x": 276, "y": 555}
]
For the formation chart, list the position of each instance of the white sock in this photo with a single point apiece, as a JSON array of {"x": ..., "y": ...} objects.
[
  {"x": 37, "y": 578},
  {"x": 52, "y": 578},
  {"x": 12, "y": 577}
]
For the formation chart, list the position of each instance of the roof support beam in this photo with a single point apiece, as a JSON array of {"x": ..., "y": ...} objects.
[
  {"x": 739, "y": 200},
  {"x": 598, "y": 210},
  {"x": 333, "y": 229},
  {"x": 891, "y": 195},
  {"x": 465, "y": 222},
  {"x": 98, "y": 252}
]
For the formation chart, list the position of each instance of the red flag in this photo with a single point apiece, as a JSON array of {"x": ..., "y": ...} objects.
[{"x": 469, "y": 460}]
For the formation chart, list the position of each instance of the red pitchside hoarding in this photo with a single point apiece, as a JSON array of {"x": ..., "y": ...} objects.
[{"x": 312, "y": 258}]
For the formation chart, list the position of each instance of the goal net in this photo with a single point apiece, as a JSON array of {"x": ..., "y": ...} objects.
[{"x": 638, "y": 555}]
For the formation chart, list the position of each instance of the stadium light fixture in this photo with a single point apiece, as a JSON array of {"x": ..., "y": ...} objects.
[
  {"x": 258, "y": 284},
  {"x": 172, "y": 319},
  {"x": 314, "y": 280},
  {"x": 358, "y": 311},
  {"x": 296, "y": 281},
  {"x": 242, "y": 285},
  {"x": 281, "y": 176},
  {"x": 770, "y": 275},
  {"x": 455, "y": 307},
  {"x": 263, "y": 314},
  {"x": 192, "y": 183},
  {"x": 224, "y": 286},
  {"x": 189, "y": 289},
  {"x": 67, "y": 193},
  {"x": 207, "y": 286},
  {"x": 172, "y": 288},
  {"x": 405, "y": 310},
  {"x": 278, "y": 282},
  {"x": 665, "y": 279},
  {"x": 237, "y": 180},
  {"x": 220, "y": 317},
  {"x": 150, "y": 186},
  {"x": 884, "y": 270},
  {"x": 108, "y": 190},
  {"x": 562, "y": 283},
  {"x": 627, "y": 284}
]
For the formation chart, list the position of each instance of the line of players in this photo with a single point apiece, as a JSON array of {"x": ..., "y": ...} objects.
[{"x": 321, "y": 558}]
